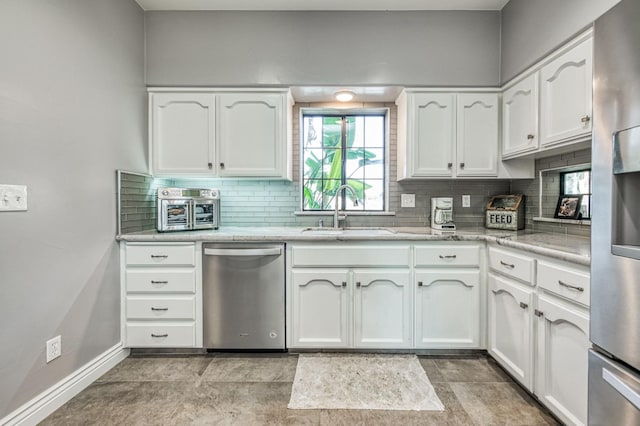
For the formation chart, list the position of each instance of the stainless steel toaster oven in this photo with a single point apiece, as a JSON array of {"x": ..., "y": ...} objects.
[{"x": 183, "y": 209}]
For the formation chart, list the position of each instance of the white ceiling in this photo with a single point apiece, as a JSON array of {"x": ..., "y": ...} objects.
[{"x": 322, "y": 4}]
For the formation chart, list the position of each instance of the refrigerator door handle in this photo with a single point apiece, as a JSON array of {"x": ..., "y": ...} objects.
[{"x": 621, "y": 387}]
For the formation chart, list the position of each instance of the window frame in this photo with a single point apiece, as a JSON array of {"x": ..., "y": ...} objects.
[
  {"x": 590, "y": 194},
  {"x": 333, "y": 112}
]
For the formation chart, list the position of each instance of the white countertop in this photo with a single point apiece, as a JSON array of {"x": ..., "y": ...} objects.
[{"x": 563, "y": 247}]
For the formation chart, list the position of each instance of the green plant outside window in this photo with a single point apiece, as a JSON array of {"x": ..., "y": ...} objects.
[{"x": 343, "y": 149}]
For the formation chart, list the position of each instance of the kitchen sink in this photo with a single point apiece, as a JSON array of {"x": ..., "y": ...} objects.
[{"x": 360, "y": 231}]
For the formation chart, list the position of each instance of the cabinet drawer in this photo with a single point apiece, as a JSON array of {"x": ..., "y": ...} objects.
[
  {"x": 142, "y": 335},
  {"x": 161, "y": 254},
  {"x": 339, "y": 256},
  {"x": 161, "y": 308},
  {"x": 512, "y": 264},
  {"x": 565, "y": 282},
  {"x": 161, "y": 280},
  {"x": 447, "y": 256}
]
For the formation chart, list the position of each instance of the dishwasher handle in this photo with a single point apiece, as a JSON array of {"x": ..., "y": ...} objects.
[{"x": 276, "y": 251}]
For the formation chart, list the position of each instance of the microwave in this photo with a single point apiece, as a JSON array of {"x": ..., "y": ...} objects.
[{"x": 185, "y": 209}]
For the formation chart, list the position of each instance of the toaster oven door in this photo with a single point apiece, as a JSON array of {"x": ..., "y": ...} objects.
[
  {"x": 174, "y": 215},
  {"x": 205, "y": 214}
]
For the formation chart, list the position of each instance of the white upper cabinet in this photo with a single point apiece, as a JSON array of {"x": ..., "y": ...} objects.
[
  {"x": 221, "y": 133},
  {"x": 477, "y": 134},
  {"x": 447, "y": 134},
  {"x": 182, "y": 133},
  {"x": 566, "y": 95},
  {"x": 520, "y": 117},
  {"x": 433, "y": 135},
  {"x": 252, "y": 134}
]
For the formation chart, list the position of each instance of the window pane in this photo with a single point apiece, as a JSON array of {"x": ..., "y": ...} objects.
[
  {"x": 332, "y": 164},
  {"x": 374, "y": 194},
  {"x": 585, "y": 207},
  {"x": 355, "y": 132},
  {"x": 312, "y": 127},
  {"x": 312, "y": 159},
  {"x": 312, "y": 194},
  {"x": 329, "y": 195},
  {"x": 355, "y": 169},
  {"x": 577, "y": 182},
  {"x": 332, "y": 132},
  {"x": 374, "y": 163},
  {"x": 374, "y": 131}
]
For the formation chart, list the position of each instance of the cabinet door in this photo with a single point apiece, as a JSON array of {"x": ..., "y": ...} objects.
[
  {"x": 183, "y": 132},
  {"x": 252, "y": 136},
  {"x": 511, "y": 328},
  {"x": 562, "y": 360},
  {"x": 447, "y": 309},
  {"x": 477, "y": 135},
  {"x": 520, "y": 117},
  {"x": 320, "y": 308},
  {"x": 433, "y": 135},
  {"x": 566, "y": 95},
  {"x": 382, "y": 309}
]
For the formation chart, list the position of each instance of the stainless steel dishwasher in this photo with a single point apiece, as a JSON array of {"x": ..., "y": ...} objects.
[{"x": 243, "y": 287}]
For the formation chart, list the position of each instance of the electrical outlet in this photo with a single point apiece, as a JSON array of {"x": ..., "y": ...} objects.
[
  {"x": 13, "y": 197},
  {"x": 54, "y": 348},
  {"x": 466, "y": 201},
  {"x": 408, "y": 200}
]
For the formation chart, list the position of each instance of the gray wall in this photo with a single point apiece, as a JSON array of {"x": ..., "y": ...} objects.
[
  {"x": 323, "y": 48},
  {"x": 532, "y": 29},
  {"x": 72, "y": 111}
]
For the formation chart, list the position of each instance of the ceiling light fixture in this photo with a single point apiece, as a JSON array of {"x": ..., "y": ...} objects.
[{"x": 344, "y": 95}]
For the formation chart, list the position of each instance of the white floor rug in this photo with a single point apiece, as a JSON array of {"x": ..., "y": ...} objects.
[{"x": 362, "y": 382}]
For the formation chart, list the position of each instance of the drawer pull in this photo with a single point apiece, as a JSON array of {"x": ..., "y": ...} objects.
[
  {"x": 448, "y": 256},
  {"x": 159, "y": 282},
  {"x": 530, "y": 137},
  {"x": 572, "y": 287},
  {"x": 159, "y": 256},
  {"x": 344, "y": 283},
  {"x": 538, "y": 313},
  {"x": 358, "y": 283},
  {"x": 159, "y": 309},
  {"x": 420, "y": 284},
  {"x": 585, "y": 119},
  {"x": 160, "y": 335},
  {"x": 523, "y": 305},
  {"x": 508, "y": 265}
]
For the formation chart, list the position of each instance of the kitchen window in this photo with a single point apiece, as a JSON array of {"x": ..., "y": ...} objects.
[
  {"x": 340, "y": 149},
  {"x": 578, "y": 183}
]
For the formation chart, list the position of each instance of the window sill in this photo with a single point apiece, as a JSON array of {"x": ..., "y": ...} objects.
[
  {"x": 348, "y": 212},
  {"x": 565, "y": 221}
]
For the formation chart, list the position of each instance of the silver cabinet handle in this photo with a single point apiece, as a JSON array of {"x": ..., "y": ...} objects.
[
  {"x": 210, "y": 165},
  {"x": 621, "y": 387},
  {"x": 523, "y": 305},
  {"x": 530, "y": 137},
  {"x": 344, "y": 283},
  {"x": 508, "y": 265},
  {"x": 448, "y": 256},
  {"x": 585, "y": 119},
  {"x": 222, "y": 165},
  {"x": 358, "y": 283},
  {"x": 243, "y": 252},
  {"x": 449, "y": 165},
  {"x": 160, "y": 335},
  {"x": 159, "y": 282},
  {"x": 572, "y": 287},
  {"x": 462, "y": 165},
  {"x": 159, "y": 309},
  {"x": 538, "y": 313},
  {"x": 420, "y": 284},
  {"x": 159, "y": 256}
]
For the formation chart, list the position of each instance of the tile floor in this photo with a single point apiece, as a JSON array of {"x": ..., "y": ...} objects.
[{"x": 254, "y": 389}]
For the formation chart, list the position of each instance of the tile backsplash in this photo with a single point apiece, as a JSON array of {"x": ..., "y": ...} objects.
[{"x": 137, "y": 201}]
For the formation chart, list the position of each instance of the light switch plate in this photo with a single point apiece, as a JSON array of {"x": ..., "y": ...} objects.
[
  {"x": 407, "y": 200},
  {"x": 13, "y": 197},
  {"x": 466, "y": 201}
]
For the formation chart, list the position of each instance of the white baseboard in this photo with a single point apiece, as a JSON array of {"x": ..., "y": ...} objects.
[{"x": 36, "y": 410}]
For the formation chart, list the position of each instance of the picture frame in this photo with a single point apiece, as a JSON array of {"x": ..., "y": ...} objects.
[{"x": 568, "y": 207}]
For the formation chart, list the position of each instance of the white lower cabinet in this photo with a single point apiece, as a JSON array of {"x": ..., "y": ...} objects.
[
  {"x": 320, "y": 308},
  {"x": 161, "y": 300},
  {"x": 447, "y": 309},
  {"x": 511, "y": 327},
  {"x": 382, "y": 309},
  {"x": 562, "y": 359}
]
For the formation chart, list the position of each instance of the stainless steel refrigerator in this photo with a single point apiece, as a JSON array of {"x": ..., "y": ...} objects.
[{"x": 614, "y": 362}]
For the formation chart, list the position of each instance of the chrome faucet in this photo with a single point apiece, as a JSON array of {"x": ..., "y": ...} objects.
[{"x": 336, "y": 216}]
